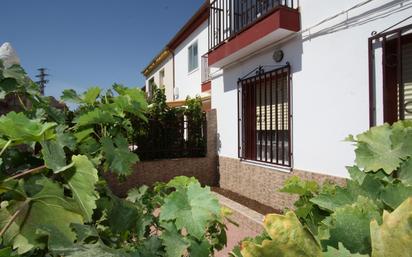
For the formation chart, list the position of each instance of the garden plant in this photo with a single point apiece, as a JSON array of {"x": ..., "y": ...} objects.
[
  {"x": 370, "y": 216},
  {"x": 54, "y": 200}
]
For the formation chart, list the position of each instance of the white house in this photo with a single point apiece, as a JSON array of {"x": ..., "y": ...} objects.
[
  {"x": 290, "y": 80},
  {"x": 185, "y": 54}
]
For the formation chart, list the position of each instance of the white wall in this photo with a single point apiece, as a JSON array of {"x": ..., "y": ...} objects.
[
  {"x": 330, "y": 90},
  {"x": 167, "y": 66},
  {"x": 189, "y": 83}
]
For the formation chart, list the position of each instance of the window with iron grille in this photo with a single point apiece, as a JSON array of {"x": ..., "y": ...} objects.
[
  {"x": 264, "y": 117},
  {"x": 392, "y": 51}
]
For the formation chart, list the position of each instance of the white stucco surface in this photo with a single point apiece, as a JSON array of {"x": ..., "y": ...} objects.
[{"x": 330, "y": 90}]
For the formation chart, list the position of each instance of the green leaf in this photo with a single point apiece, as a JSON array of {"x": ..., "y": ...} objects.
[
  {"x": 6, "y": 252},
  {"x": 65, "y": 138},
  {"x": 350, "y": 225},
  {"x": 122, "y": 216},
  {"x": 81, "y": 135},
  {"x": 341, "y": 252},
  {"x": 192, "y": 208},
  {"x": 97, "y": 250},
  {"x": 405, "y": 172},
  {"x": 200, "y": 250},
  {"x": 18, "y": 128},
  {"x": 69, "y": 95},
  {"x": 288, "y": 239},
  {"x": 54, "y": 156},
  {"x": 393, "y": 238},
  {"x": 119, "y": 159},
  {"x": 174, "y": 243},
  {"x": 356, "y": 174},
  {"x": 82, "y": 179},
  {"x": 395, "y": 194},
  {"x": 136, "y": 194},
  {"x": 94, "y": 117},
  {"x": 90, "y": 96},
  {"x": 295, "y": 185},
  {"x": 84, "y": 232},
  {"x": 182, "y": 181},
  {"x": 383, "y": 148},
  {"x": 48, "y": 208}
]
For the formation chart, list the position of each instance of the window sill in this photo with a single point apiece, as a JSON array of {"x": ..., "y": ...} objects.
[
  {"x": 273, "y": 167},
  {"x": 193, "y": 71}
]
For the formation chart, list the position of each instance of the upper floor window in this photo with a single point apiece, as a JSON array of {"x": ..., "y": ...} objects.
[{"x": 193, "y": 57}]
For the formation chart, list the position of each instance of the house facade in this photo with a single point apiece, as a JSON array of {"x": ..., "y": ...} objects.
[
  {"x": 290, "y": 80},
  {"x": 186, "y": 51}
]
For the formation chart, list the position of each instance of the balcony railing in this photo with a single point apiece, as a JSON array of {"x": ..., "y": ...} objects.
[{"x": 229, "y": 17}]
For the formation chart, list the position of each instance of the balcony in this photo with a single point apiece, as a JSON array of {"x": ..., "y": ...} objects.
[{"x": 240, "y": 27}]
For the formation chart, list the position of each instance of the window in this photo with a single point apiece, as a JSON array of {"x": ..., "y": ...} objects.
[
  {"x": 193, "y": 57},
  {"x": 151, "y": 87},
  {"x": 162, "y": 78},
  {"x": 394, "y": 58},
  {"x": 264, "y": 118}
]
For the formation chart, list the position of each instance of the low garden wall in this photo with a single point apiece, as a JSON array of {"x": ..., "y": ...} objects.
[
  {"x": 263, "y": 184},
  {"x": 150, "y": 172}
]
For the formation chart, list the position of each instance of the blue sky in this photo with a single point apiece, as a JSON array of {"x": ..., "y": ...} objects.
[{"x": 87, "y": 43}]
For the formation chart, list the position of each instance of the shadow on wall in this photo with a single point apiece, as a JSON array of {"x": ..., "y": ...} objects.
[
  {"x": 293, "y": 50},
  {"x": 374, "y": 14}
]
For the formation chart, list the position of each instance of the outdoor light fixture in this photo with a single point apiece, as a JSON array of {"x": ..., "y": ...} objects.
[{"x": 278, "y": 56}]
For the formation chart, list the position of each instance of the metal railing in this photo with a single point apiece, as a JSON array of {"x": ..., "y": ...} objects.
[{"x": 229, "y": 17}]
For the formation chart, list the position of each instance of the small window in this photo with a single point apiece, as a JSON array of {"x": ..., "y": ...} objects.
[
  {"x": 151, "y": 87},
  {"x": 162, "y": 78},
  {"x": 193, "y": 57}
]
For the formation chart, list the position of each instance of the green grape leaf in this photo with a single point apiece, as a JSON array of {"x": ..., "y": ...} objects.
[
  {"x": 200, "y": 250},
  {"x": 182, "y": 181},
  {"x": 65, "y": 138},
  {"x": 54, "y": 156},
  {"x": 405, "y": 172},
  {"x": 90, "y": 96},
  {"x": 136, "y": 194},
  {"x": 69, "y": 95},
  {"x": 395, "y": 194},
  {"x": 350, "y": 225},
  {"x": 93, "y": 250},
  {"x": 6, "y": 252},
  {"x": 341, "y": 252},
  {"x": 383, "y": 148},
  {"x": 119, "y": 159},
  {"x": 18, "y": 128},
  {"x": 295, "y": 185},
  {"x": 356, "y": 174},
  {"x": 58, "y": 242},
  {"x": 97, "y": 116},
  {"x": 393, "y": 238},
  {"x": 82, "y": 179},
  {"x": 192, "y": 208},
  {"x": 84, "y": 232},
  {"x": 122, "y": 216},
  {"x": 175, "y": 244},
  {"x": 82, "y": 135},
  {"x": 288, "y": 239},
  {"x": 48, "y": 208}
]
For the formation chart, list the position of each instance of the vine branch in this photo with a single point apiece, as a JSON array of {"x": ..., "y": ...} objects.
[
  {"x": 5, "y": 147},
  {"x": 24, "y": 173},
  {"x": 13, "y": 218}
]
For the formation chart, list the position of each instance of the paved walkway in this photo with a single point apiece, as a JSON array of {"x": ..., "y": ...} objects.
[{"x": 250, "y": 224}]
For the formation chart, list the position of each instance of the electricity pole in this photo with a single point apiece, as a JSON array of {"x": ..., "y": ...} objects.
[{"x": 42, "y": 79}]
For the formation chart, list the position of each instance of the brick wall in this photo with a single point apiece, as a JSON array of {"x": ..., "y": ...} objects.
[
  {"x": 262, "y": 184},
  {"x": 149, "y": 172}
]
